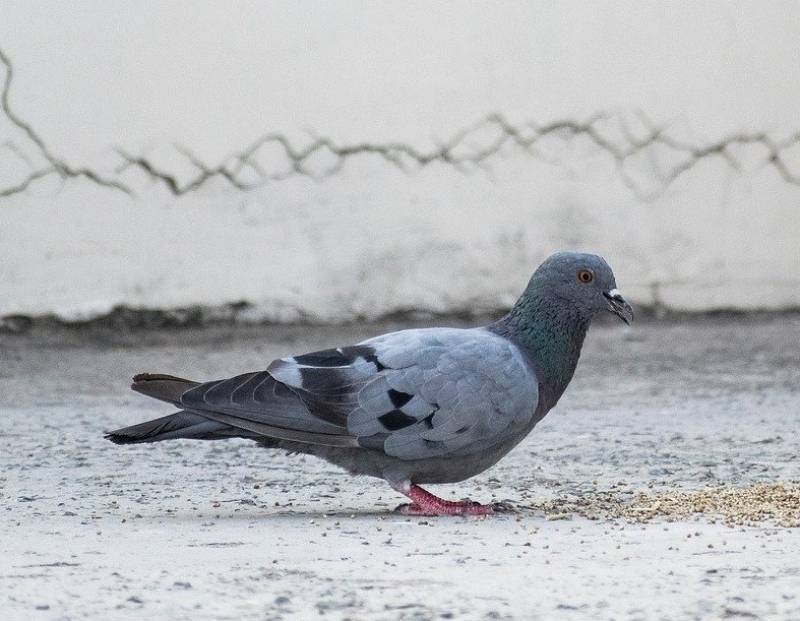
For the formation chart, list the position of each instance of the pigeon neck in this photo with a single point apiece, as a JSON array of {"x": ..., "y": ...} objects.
[{"x": 551, "y": 333}]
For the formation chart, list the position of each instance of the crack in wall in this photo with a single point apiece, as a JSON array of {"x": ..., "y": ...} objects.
[
  {"x": 460, "y": 152},
  {"x": 54, "y": 165}
]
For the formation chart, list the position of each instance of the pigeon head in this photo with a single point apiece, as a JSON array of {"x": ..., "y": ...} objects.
[{"x": 581, "y": 281}]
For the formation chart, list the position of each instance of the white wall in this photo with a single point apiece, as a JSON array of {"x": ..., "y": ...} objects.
[{"x": 369, "y": 238}]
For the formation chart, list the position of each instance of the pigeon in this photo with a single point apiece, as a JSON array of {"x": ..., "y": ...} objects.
[{"x": 412, "y": 407}]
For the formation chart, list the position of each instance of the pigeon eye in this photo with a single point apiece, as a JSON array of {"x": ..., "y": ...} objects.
[{"x": 585, "y": 276}]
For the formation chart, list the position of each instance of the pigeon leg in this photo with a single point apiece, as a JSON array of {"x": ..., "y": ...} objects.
[{"x": 425, "y": 503}]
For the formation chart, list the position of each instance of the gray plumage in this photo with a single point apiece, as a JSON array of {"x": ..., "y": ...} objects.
[{"x": 417, "y": 406}]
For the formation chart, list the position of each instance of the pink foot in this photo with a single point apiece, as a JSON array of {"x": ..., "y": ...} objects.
[{"x": 426, "y": 504}]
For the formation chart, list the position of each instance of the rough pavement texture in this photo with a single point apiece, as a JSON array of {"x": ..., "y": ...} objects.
[{"x": 191, "y": 530}]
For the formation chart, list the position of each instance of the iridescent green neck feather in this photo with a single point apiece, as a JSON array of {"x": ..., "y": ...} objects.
[{"x": 551, "y": 333}]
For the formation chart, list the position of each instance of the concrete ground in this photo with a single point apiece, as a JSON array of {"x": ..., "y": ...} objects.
[{"x": 225, "y": 530}]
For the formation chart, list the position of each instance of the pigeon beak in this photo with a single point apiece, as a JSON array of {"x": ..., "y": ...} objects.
[{"x": 618, "y": 306}]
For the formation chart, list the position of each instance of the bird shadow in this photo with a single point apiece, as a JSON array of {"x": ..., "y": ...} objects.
[{"x": 307, "y": 513}]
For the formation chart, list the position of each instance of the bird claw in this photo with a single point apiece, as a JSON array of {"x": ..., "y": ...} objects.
[
  {"x": 465, "y": 507},
  {"x": 427, "y": 504},
  {"x": 411, "y": 508},
  {"x": 503, "y": 506}
]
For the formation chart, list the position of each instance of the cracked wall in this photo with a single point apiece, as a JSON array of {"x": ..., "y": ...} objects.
[{"x": 319, "y": 176}]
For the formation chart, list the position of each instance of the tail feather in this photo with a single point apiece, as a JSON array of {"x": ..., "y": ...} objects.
[
  {"x": 183, "y": 424},
  {"x": 201, "y": 422},
  {"x": 164, "y": 387}
]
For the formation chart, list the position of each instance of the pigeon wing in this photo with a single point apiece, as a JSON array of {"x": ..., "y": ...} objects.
[
  {"x": 305, "y": 398},
  {"x": 417, "y": 394},
  {"x": 258, "y": 403},
  {"x": 413, "y": 394}
]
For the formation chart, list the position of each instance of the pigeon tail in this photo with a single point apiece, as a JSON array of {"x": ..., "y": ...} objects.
[
  {"x": 180, "y": 425},
  {"x": 201, "y": 420},
  {"x": 163, "y": 387}
]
